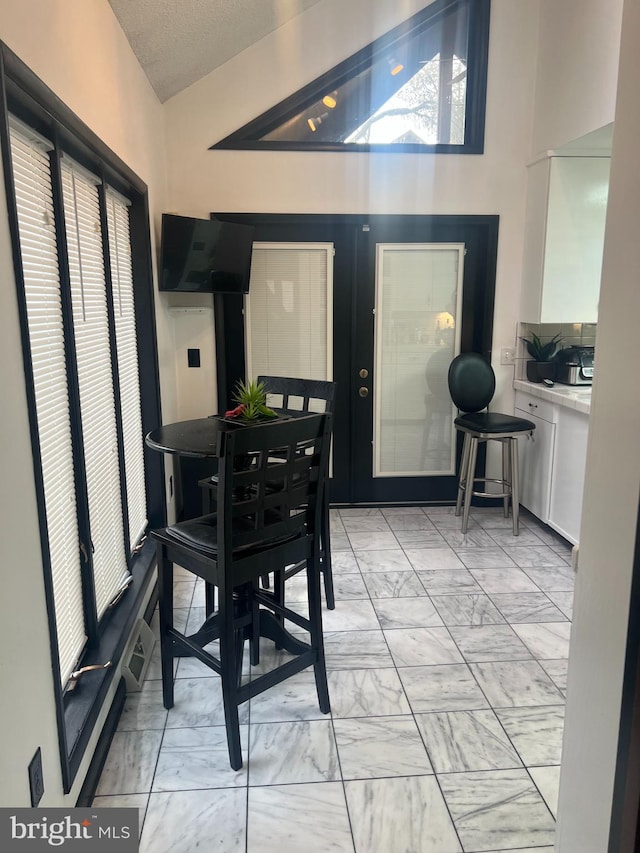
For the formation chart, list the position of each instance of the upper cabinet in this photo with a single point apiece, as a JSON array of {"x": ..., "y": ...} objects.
[{"x": 564, "y": 238}]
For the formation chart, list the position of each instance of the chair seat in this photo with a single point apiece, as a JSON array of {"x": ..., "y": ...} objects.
[
  {"x": 493, "y": 423},
  {"x": 202, "y": 533}
]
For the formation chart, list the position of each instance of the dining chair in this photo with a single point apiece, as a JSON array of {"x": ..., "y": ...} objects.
[
  {"x": 271, "y": 480},
  {"x": 298, "y": 395},
  {"x": 472, "y": 384},
  {"x": 306, "y": 395}
]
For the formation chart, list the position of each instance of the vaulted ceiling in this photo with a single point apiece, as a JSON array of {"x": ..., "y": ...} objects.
[{"x": 179, "y": 41}]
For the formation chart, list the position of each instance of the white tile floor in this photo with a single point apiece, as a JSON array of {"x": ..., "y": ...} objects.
[{"x": 446, "y": 660}]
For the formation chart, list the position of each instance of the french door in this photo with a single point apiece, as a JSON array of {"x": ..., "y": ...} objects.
[
  {"x": 424, "y": 293},
  {"x": 405, "y": 294}
]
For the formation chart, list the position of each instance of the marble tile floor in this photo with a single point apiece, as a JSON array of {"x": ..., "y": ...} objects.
[{"x": 446, "y": 658}]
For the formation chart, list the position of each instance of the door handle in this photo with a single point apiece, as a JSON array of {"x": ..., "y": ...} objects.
[
  {"x": 363, "y": 373},
  {"x": 363, "y": 391}
]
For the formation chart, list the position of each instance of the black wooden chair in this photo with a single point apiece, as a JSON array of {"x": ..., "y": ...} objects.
[
  {"x": 284, "y": 392},
  {"x": 297, "y": 395},
  {"x": 472, "y": 384},
  {"x": 270, "y": 498}
]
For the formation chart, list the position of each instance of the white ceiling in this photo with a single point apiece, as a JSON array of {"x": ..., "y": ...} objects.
[{"x": 179, "y": 41}]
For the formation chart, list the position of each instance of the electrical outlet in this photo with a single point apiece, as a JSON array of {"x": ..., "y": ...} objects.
[
  {"x": 36, "y": 779},
  {"x": 508, "y": 355}
]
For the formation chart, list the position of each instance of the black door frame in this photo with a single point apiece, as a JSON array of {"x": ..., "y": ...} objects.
[{"x": 343, "y": 231}]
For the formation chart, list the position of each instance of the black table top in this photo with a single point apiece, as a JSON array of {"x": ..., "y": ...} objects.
[
  {"x": 188, "y": 438},
  {"x": 199, "y": 437}
]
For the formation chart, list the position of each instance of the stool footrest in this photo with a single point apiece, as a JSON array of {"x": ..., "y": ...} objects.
[{"x": 476, "y": 494}]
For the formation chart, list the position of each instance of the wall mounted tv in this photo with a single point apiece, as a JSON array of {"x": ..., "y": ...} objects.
[{"x": 204, "y": 255}]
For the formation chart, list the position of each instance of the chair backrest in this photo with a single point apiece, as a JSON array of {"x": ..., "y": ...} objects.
[
  {"x": 271, "y": 479},
  {"x": 306, "y": 395},
  {"x": 472, "y": 382}
]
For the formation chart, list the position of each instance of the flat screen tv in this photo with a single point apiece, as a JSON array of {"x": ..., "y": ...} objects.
[{"x": 204, "y": 255}]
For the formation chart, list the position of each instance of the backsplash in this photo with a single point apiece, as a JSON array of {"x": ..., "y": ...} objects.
[{"x": 571, "y": 334}]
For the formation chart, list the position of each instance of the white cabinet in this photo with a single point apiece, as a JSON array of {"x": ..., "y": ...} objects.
[
  {"x": 552, "y": 463},
  {"x": 564, "y": 239},
  {"x": 569, "y": 464},
  {"x": 535, "y": 452}
]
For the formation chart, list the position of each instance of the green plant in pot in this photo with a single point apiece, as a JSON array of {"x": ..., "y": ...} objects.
[
  {"x": 541, "y": 366},
  {"x": 251, "y": 398}
]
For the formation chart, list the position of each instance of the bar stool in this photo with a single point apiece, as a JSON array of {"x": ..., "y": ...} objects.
[
  {"x": 472, "y": 384},
  {"x": 271, "y": 480}
]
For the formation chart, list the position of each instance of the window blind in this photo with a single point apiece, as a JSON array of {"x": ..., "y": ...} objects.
[
  {"x": 127, "y": 352},
  {"x": 95, "y": 381},
  {"x": 36, "y": 226},
  {"x": 289, "y": 310}
]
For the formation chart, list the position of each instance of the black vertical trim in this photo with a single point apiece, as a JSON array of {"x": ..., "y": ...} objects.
[
  {"x": 477, "y": 66},
  {"x": 624, "y": 832},
  {"x": 361, "y": 239},
  {"x": 229, "y": 332},
  {"x": 144, "y": 307},
  {"x": 115, "y": 374},
  {"x": 79, "y": 468}
]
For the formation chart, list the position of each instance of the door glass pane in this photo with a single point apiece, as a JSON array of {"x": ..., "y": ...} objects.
[
  {"x": 417, "y": 334},
  {"x": 289, "y": 309}
]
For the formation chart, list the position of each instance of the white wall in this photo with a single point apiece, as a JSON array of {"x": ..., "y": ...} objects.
[
  {"x": 78, "y": 49},
  {"x": 577, "y": 69},
  {"x": 201, "y": 181},
  {"x": 196, "y": 390},
  {"x": 611, "y": 495}
]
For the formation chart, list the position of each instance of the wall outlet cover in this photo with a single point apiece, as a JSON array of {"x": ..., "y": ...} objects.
[{"x": 508, "y": 355}]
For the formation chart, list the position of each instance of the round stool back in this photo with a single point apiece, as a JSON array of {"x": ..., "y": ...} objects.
[{"x": 472, "y": 382}]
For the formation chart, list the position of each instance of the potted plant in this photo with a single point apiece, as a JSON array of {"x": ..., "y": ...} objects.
[
  {"x": 541, "y": 366},
  {"x": 252, "y": 403}
]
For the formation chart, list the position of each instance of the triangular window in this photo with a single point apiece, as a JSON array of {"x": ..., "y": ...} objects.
[{"x": 419, "y": 88}]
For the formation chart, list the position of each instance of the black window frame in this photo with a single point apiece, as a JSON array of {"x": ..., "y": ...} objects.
[
  {"x": 248, "y": 137},
  {"x": 27, "y": 97}
]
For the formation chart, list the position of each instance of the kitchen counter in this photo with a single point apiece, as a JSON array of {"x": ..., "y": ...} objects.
[{"x": 576, "y": 397}]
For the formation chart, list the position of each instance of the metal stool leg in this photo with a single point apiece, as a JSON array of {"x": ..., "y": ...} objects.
[
  {"x": 468, "y": 490},
  {"x": 506, "y": 473},
  {"x": 464, "y": 465},
  {"x": 515, "y": 486}
]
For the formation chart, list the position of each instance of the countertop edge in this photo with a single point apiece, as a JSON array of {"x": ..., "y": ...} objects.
[{"x": 562, "y": 395}]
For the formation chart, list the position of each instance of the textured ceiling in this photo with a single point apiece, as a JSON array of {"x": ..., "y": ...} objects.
[{"x": 179, "y": 41}]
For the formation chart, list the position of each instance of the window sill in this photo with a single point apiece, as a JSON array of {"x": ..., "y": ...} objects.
[{"x": 83, "y": 705}]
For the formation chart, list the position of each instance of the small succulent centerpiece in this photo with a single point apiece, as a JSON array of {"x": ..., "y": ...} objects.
[
  {"x": 541, "y": 365},
  {"x": 252, "y": 408}
]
